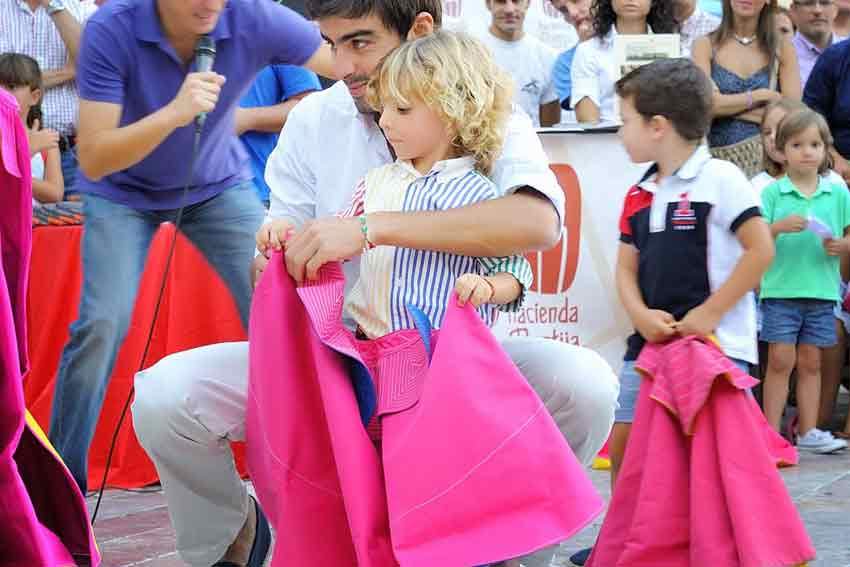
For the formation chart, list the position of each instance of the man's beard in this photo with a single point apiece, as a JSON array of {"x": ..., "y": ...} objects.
[{"x": 363, "y": 106}]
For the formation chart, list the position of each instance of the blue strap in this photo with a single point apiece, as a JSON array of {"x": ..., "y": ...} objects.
[{"x": 423, "y": 325}]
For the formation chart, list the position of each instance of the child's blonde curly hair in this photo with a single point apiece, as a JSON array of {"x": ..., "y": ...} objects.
[{"x": 455, "y": 76}]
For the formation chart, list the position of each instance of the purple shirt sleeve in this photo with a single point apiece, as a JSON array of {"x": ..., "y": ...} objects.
[{"x": 101, "y": 69}]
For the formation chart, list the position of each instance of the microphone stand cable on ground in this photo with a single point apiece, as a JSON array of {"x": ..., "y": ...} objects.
[{"x": 177, "y": 222}]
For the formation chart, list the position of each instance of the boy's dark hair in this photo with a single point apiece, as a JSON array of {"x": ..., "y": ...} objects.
[
  {"x": 396, "y": 15},
  {"x": 660, "y": 17},
  {"x": 19, "y": 70},
  {"x": 674, "y": 88}
]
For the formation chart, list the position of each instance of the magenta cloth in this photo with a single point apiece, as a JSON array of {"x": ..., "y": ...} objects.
[
  {"x": 698, "y": 485},
  {"x": 471, "y": 468},
  {"x": 45, "y": 522}
]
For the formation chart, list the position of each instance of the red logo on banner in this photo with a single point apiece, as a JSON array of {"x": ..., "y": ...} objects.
[
  {"x": 452, "y": 8},
  {"x": 549, "y": 275}
]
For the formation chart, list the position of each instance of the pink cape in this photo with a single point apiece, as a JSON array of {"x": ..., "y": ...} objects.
[
  {"x": 45, "y": 522},
  {"x": 470, "y": 468},
  {"x": 698, "y": 485}
]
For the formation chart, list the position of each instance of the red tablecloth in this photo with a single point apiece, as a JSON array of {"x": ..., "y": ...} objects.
[{"x": 196, "y": 310}]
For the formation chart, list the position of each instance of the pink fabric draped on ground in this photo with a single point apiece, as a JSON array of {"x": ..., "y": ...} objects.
[
  {"x": 45, "y": 523},
  {"x": 698, "y": 485},
  {"x": 470, "y": 468}
]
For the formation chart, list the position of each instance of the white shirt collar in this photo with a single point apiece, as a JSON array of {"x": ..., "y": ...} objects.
[
  {"x": 444, "y": 169},
  {"x": 687, "y": 171}
]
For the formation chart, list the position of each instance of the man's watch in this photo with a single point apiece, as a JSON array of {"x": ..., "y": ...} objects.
[{"x": 55, "y": 6}]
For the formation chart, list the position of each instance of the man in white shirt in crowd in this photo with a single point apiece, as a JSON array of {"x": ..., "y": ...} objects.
[
  {"x": 814, "y": 19},
  {"x": 694, "y": 22},
  {"x": 191, "y": 404},
  {"x": 49, "y": 31},
  {"x": 525, "y": 58}
]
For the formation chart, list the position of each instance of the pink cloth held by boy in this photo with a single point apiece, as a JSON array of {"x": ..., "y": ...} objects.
[
  {"x": 470, "y": 468},
  {"x": 698, "y": 484}
]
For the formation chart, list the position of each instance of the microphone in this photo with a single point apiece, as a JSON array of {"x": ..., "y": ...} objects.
[{"x": 204, "y": 59}]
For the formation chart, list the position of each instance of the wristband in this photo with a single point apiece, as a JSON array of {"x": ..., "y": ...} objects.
[
  {"x": 749, "y": 100},
  {"x": 364, "y": 229}
]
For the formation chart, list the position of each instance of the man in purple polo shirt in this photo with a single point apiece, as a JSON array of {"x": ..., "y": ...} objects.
[
  {"x": 814, "y": 19},
  {"x": 138, "y": 101}
]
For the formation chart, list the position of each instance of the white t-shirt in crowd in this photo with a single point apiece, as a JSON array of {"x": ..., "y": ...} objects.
[
  {"x": 530, "y": 62},
  {"x": 37, "y": 165},
  {"x": 763, "y": 179},
  {"x": 594, "y": 73}
]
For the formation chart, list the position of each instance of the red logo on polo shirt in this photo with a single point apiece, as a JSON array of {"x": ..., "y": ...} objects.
[
  {"x": 555, "y": 270},
  {"x": 684, "y": 217},
  {"x": 453, "y": 8}
]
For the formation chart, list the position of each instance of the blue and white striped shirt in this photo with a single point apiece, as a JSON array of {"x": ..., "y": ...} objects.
[{"x": 391, "y": 277}]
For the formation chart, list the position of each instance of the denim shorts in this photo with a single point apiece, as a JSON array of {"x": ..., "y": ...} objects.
[
  {"x": 793, "y": 321},
  {"x": 630, "y": 388}
]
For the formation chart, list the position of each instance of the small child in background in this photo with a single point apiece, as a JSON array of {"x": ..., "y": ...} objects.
[
  {"x": 21, "y": 76},
  {"x": 809, "y": 218},
  {"x": 832, "y": 361},
  {"x": 774, "y": 163}
]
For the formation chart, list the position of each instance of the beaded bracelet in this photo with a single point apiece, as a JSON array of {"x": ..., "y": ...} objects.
[{"x": 364, "y": 229}]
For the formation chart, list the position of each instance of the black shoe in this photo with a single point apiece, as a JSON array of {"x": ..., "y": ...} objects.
[
  {"x": 261, "y": 545},
  {"x": 581, "y": 557}
]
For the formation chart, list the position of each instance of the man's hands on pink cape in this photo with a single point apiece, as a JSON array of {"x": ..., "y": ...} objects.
[
  {"x": 321, "y": 241},
  {"x": 312, "y": 246}
]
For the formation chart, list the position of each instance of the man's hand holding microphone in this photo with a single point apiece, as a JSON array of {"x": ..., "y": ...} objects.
[
  {"x": 197, "y": 95},
  {"x": 199, "y": 92}
]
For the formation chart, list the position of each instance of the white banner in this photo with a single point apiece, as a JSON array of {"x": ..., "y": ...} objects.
[{"x": 574, "y": 298}]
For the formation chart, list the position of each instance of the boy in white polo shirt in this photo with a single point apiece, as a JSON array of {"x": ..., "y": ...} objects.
[{"x": 693, "y": 244}]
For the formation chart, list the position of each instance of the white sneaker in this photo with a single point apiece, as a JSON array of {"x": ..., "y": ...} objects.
[{"x": 820, "y": 442}]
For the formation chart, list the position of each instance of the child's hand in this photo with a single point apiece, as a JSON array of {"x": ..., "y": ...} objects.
[
  {"x": 792, "y": 223},
  {"x": 700, "y": 321},
  {"x": 835, "y": 246},
  {"x": 473, "y": 288},
  {"x": 42, "y": 139},
  {"x": 656, "y": 326},
  {"x": 272, "y": 235},
  {"x": 258, "y": 265}
]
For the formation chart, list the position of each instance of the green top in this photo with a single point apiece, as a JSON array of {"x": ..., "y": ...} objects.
[{"x": 802, "y": 269}]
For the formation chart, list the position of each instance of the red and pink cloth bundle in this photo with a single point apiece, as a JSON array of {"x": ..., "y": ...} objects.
[
  {"x": 699, "y": 485},
  {"x": 45, "y": 522}
]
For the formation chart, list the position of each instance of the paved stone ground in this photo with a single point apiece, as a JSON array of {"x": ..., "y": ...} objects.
[{"x": 134, "y": 528}]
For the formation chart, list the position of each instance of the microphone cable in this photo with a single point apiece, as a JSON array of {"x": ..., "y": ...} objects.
[{"x": 177, "y": 222}]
